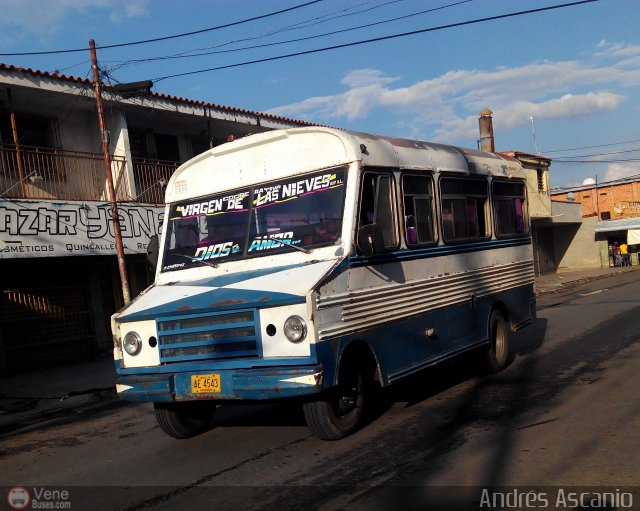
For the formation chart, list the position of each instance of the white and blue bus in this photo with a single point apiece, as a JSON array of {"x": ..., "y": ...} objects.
[{"x": 318, "y": 264}]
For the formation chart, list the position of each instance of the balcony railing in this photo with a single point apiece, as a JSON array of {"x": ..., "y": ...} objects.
[
  {"x": 151, "y": 178},
  {"x": 44, "y": 173}
]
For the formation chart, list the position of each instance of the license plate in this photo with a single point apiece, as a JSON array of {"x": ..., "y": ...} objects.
[{"x": 205, "y": 383}]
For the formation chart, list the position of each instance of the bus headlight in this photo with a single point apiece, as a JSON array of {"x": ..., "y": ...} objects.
[
  {"x": 295, "y": 329},
  {"x": 132, "y": 343}
]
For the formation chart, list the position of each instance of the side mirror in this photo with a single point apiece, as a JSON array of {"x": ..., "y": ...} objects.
[
  {"x": 153, "y": 250},
  {"x": 370, "y": 240}
]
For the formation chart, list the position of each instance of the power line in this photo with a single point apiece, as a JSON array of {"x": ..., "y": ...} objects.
[
  {"x": 296, "y": 26},
  {"x": 598, "y": 161},
  {"x": 570, "y": 158},
  {"x": 329, "y": 16},
  {"x": 377, "y": 39},
  {"x": 317, "y": 36},
  {"x": 166, "y": 38},
  {"x": 591, "y": 147}
]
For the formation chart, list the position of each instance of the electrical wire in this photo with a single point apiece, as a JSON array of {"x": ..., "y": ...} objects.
[
  {"x": 329, "y": 17},
  {"x": 627, "y": 160},
  {"x": 571, "y": 158},
  {"x": 307, "y": 38},
  {"x": 296, "y": 26},
  {"x": 591, "y": 146},
  {"x": 376, "y": 39},
  {"x": 166, "y": 38}
]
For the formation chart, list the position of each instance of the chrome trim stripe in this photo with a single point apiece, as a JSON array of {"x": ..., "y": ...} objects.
[
  {"x": 366, "y": 308},
  {"x": 437, "y": 251}
]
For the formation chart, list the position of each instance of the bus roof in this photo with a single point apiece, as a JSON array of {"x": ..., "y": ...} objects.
[{"x": 282, "y": 153}]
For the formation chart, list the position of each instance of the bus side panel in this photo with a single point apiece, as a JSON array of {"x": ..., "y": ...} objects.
[
  {"x": 406, "y": 346},
  {"x": 416, "y": 310}
]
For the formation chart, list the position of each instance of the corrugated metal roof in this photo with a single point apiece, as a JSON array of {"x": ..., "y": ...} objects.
[
  {"x": 185, "y": 101},
  {"x": 623, "y": 224}
]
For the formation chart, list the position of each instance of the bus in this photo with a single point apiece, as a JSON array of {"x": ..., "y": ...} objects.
[{"x": 319, "y": 265}]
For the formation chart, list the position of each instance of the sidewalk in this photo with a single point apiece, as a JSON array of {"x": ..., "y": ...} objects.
[
  {"x": 564, "y": 279},
  {"x": 30, "y": 400},
  {"x": 33, "y": 398}
]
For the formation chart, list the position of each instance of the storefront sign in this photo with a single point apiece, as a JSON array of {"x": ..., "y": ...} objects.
[{"x": 58, "y": 229}]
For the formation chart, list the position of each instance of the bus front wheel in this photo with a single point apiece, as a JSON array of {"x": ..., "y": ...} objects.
[
  {"x": 339, "y": 412},
  {"x": 184, "y": 420},
  {"x": 497, "y": 356}
]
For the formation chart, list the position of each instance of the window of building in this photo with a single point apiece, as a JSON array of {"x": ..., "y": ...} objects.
[
  {"x": 37, "y": 152},
  {"x": 463, "y": 205},
  {"x": 509, "y": 208},
  {"x": 418, "y": 209},
  {"x": 542, "y": 182},
  {"x": 34, "y": 130}
]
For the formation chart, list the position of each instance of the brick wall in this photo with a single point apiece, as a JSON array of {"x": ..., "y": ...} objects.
[{"x": 619, "y": 200}]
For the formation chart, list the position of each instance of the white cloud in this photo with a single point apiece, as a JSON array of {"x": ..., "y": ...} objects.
[
  {"x": 366, "y": 77},
  {"x": 619, "y": 171},
  {"x": 609, "y": 49},
  {"x": 20, "y": 13},
  {"x": 131, "y": 10},
  {"x": 446, "y": 107},
  {"x": 135, "y": 9}
]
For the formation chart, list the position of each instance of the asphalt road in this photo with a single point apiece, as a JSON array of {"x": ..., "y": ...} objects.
[{"x": 564, "y": 414}]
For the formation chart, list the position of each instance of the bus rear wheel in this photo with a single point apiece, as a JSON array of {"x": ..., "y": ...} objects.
[
  {"x": 497, "y": 356},
  {"x": 339, "y": 412},
  {"x": 184, "y": 420}
]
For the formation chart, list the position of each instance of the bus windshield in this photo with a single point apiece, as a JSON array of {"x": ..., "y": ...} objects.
[{"x": 304, "y": 211}]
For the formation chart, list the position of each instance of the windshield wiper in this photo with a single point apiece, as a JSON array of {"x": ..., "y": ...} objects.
[
  {"x": 282, "y": 242},
  {"x": 191, "y": 258}
]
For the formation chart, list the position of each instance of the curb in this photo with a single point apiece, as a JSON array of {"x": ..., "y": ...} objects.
[
  {"x": 584, "y": 280},
  {"x": 33, "y": 412}
]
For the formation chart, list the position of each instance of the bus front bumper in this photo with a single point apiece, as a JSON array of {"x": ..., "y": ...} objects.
[{"x": 232, "y": 384}]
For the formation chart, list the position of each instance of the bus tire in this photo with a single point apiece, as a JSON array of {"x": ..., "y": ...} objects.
[
  {"x": 339, "y": 411},
  {"x": 184, "y": 420},
  {"x": 497, "y": 356}
]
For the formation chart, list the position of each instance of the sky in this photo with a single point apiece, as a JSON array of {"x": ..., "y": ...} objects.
[{"x": 564, "y": 83}]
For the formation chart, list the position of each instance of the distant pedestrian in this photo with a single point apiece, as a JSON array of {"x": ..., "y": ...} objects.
[
  {"x": 617, "y": 257},
  {"x": 624, "y": 254}
]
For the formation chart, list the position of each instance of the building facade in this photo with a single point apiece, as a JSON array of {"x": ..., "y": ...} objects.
[
  {"x": 612, "y": 209},
  {"x": 59, "y": 277},
  {"x": 565, "y": 237}
]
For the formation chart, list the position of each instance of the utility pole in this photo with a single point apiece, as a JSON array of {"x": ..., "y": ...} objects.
[
  {"x": 16, "y": 142},
  {"x": 597, "y": 200},
  {"x": 117, "y": 233}
]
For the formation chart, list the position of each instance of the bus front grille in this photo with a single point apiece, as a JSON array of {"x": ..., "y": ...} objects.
[{"x": 208, "y": 336}]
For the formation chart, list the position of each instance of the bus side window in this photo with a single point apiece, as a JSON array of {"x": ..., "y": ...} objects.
[
  {"x": 418, "y": 210},
  {"x": 463, "y": 206},
  {"x": 377, "y": 207},
  {"x": 509, "y": 209}
]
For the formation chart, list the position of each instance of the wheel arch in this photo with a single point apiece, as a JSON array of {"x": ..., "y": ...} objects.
[
  {"x": 501, "y": 307},
  {"x": 358, "y": 351}
]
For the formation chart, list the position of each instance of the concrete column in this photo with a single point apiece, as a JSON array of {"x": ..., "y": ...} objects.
[{"x": 120, "y": 147}]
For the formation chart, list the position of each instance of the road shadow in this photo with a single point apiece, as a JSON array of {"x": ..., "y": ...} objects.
[
  {"x": 430, "y": 382},
  {"x": 413, "y": 390},
  {"x": 272, "y": 413}
]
